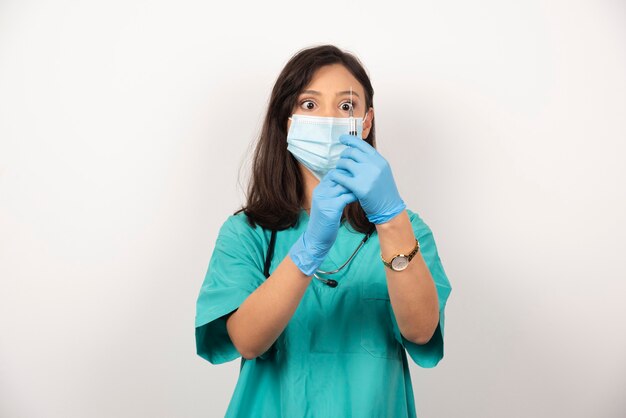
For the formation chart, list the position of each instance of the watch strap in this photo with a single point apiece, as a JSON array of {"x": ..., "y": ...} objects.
[{"x": 408, "y": 256}]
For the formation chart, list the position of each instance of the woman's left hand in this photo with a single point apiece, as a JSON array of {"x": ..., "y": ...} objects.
[{"x": 365, "y": 172}]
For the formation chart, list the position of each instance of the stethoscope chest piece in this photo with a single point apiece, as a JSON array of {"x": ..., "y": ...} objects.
[{"x": 334, "y": 283}]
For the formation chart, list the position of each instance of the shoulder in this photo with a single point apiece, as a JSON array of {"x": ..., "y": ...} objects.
[
  {"x": 238, "y": 224},
  {"x": 236, "y": 228}
]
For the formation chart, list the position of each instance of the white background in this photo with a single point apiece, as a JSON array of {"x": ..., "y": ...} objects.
[{"x": 125, "y": 135}]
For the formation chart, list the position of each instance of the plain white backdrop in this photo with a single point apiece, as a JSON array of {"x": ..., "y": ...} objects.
[{"x": 125, "y": 135}]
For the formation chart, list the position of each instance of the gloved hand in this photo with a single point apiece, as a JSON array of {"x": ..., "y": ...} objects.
[
  {"x": 328, "y": 202},
  {"x": 363, "y": 171}
]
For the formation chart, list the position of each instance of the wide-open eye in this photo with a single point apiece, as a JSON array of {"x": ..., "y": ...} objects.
[
  {"x": 346, "y": 106},
  {"x": 307, "y": 104}
]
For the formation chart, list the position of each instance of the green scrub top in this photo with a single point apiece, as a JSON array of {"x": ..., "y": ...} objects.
[{"x": 341, "y": 354}]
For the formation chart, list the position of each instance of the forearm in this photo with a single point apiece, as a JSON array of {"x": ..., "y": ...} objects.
[
  {"x": 265, "y": 313},
  {"x": 412, "y": 292}
]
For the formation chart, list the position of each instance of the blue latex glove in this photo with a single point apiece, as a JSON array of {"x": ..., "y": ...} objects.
[
  {"x": 327, "y": 204},
  {"x": 363, "y": 171}
]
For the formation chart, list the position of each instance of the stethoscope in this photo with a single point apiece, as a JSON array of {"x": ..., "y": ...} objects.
[{"x": 333, "y": 283}]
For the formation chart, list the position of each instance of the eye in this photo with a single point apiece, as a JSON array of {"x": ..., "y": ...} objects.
[
  {"x": 346, "y": 106},
  {"x": 307, "y": 104}
]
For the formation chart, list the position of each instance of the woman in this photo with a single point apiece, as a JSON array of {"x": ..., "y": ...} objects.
[{"x": 317, "y": 344}]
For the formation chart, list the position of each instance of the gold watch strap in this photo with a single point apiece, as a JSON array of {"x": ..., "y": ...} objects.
[{"x": 409, "y": 256}]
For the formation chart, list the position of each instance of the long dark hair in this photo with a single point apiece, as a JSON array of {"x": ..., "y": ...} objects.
[{"x": 276, "y": 188}]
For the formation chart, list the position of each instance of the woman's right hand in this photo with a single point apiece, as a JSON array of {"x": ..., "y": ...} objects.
[{"x": 328, "y": 201}]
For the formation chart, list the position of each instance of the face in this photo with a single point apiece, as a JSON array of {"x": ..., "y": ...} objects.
[{"x": 328, "y": 94}]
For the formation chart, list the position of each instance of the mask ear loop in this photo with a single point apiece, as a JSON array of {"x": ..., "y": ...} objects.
[{"x": 365, "y": 116}]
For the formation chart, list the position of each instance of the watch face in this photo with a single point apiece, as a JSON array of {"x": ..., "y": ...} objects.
[{"x": 399, "y": 263}]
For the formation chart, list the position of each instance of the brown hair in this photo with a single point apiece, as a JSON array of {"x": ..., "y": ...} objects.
[{"x": 276, "y": 189}]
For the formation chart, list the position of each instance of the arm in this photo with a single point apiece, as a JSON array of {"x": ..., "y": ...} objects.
[
  {"x": 265, "y": 313},
  {"x": 412, "y": 292}
]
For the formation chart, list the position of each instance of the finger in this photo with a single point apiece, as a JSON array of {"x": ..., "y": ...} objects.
[
  {"x": 355, "y": 142},
  {"x": 331, "y": 188},
  {"x": 347, "y": 198},
  {"x": 328, "y": 188},
  {"x": 343, "y": 177},
  {"x": 336, "y": 188},
  {"x": 339, "y": 189},
  {"x": 348, "y": 165},
  {"x": 354, "y": 154},
  {"x": 325, "y": 182}
]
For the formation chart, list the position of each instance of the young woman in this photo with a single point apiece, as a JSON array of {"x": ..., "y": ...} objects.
[{"x": 324, "y": 279}]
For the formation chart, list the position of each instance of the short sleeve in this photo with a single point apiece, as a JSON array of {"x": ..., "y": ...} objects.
[
  {"x": 429, "y": 354},
  {"x": 235, "y": 270}
]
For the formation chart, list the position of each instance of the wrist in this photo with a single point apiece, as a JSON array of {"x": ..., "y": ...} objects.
[
  {"x": 393, "y": 222},
  {"x": 388, "y": 215},
  {"x": 396, "y": 235},
  {"x": 306, "y": 258}
]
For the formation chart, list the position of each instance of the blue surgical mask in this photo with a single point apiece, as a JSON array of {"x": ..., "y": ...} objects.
[{"x": 314, "y": 141}]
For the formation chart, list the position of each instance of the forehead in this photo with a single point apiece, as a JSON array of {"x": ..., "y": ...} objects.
[{"x": 330, "y": 79}]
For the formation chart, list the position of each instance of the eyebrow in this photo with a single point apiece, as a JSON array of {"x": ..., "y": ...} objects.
[{"x": 315, "y": 92}]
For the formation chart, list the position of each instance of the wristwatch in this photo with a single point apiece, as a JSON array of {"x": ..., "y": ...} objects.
[{"x": 400, "y": 261}]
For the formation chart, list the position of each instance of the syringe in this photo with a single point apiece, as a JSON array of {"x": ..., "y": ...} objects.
[{"x": 351, "y": 119}]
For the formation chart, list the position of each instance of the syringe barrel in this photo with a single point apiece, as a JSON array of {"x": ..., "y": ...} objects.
[{"x": 352, "y": 126}]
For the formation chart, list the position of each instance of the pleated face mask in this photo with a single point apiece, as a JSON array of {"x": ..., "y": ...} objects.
[{"x": 314, "y": 141}]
